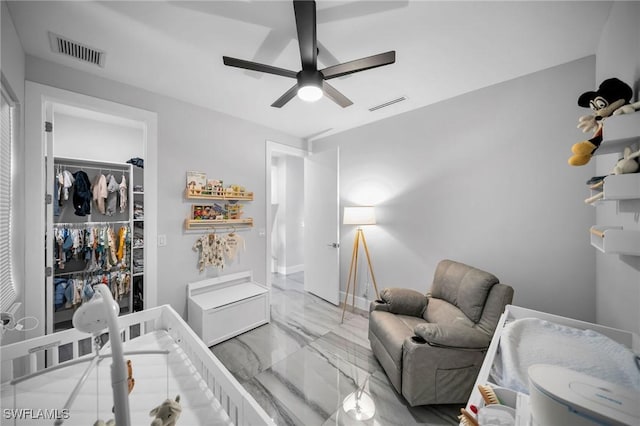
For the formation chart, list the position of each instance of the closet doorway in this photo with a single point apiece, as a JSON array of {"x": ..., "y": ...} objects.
[
  {"x": 86, "y": 128},
  {"x": 285, "y": 210}
]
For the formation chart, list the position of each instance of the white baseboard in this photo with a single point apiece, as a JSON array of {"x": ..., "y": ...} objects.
[
  {"x": 360, "y": 303},
  {"x": 286, "y": 270}
]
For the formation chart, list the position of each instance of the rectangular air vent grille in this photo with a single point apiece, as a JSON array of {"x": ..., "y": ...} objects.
[
  {"x": 388, "y": 103},
  {"x": 63, "y": 45}
]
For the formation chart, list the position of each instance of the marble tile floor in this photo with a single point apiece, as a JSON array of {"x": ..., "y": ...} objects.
[{"x": 304, "y": 363}]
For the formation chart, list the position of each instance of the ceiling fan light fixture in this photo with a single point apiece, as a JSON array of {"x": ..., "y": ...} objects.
[
  {"x": 310, "y": 93},
  {"x": 309, "y": 85}
]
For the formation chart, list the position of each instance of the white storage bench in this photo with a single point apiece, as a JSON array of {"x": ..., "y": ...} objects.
[{"x": 223, "y": 307}]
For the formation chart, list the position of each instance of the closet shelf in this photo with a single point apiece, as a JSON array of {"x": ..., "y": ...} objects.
[
  {"x": 229, "y": 196},
  {"x": 615, "y": 240},
  {"x": 204, "y": 224},
  {"x": 618, "y": 132}
]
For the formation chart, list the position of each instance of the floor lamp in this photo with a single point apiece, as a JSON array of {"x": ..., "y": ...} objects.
[{"x": 358, "y": 216}]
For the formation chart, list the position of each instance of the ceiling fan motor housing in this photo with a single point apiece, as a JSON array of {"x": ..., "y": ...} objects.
[{"x": 310, "y": 78}]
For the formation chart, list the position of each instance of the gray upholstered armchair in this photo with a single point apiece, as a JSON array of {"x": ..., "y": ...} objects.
[{"x": 432, "y": 346}]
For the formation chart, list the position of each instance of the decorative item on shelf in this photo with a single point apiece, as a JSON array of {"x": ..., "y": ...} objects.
[
  {"x": 611, "y": 98},
  {"x": 628, "y": 163},
  {"x": 213, "y": 188},
  {"x": 234, "y": 211},
  {"x": 358, "y": 216},
  {"x": 196, "y": 182}
]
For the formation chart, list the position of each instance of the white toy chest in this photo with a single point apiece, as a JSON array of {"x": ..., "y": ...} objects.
[{"x": 223, "y": 307}]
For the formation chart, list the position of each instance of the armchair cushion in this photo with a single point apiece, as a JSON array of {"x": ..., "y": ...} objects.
[
  {"x": 452, "y": 336},
  {"x": 463, "y": 286},
  {"x": 404, "y": 301}
]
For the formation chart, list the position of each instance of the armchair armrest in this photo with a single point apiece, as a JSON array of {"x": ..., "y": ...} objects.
[
  {"x": 401, "y": 301},
  {"x": 452, "y": 336}
]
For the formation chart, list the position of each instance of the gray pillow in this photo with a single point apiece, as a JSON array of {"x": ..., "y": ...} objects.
[{"x": 404, "y": 301}]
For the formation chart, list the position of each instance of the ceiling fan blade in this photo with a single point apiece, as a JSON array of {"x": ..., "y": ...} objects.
[
  {"x": 254, "y": 66},
  {"x": 333, "y": 94},
  {"x": 358, "y": 65},
  {"x": 305, "y": 12},
  {"x": 288, "y": 95}
]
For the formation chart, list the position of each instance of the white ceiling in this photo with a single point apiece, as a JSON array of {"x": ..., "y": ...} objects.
[{"x": 443, "y": 49}]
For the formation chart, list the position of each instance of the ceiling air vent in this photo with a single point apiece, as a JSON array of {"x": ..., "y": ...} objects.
[
  {"x": 388, "y": 103},
  {"x": 63, "y": 45}
]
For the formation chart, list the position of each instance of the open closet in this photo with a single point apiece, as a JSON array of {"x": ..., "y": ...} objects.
[{"x": 95, "y": 221}]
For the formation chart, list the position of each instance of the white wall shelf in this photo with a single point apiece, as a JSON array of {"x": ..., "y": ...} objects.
[
  {"x": 619, "y": 132},
  {"x": 615, "y": 188},
  {"x": 615, "y": 240}
]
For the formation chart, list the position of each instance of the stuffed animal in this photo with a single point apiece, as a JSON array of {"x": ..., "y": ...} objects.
[
  {"x": 628, "y": 164},
  {"x": 611, "y": 98},
  {"x": 167, "y": 413}
]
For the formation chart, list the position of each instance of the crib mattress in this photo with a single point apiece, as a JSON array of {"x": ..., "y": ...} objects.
[{"x": 157, "y": 377}]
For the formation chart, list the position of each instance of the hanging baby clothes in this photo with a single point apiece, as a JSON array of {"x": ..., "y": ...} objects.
[
  {"x": 206, "y": 252},
  {"x": 67, "y": 182},
  {"x": 99, "y": 190},
  {"x": 122, "y": 237},
  {"x": 82, "y": 194},
  {"x": 233, "y": 244},
  {"x": 113, "y": 189},
  {"x": 212, "y": 250},
  {"x": 123, "y": 194},
  {"x": 56, "y": 194}
]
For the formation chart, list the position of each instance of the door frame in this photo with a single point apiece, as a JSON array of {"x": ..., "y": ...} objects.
[
  {"x": 272, "y": 148},
  {"x": 38, "y": 98}
]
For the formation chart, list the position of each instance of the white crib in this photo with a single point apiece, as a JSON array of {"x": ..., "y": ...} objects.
[{"x": 168, "y": 359}]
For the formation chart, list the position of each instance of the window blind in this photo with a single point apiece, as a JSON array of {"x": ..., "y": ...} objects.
[{"x": 7, "y": 133}]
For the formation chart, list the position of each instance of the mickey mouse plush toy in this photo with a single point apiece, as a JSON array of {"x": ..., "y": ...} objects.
[{"x": 611, "y": 98}]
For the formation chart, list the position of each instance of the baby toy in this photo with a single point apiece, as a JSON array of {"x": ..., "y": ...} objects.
[
  {"x": 167, "y": 413},
  {"x": 628, "y": 164},
  {"x": 611, "y": 98}
]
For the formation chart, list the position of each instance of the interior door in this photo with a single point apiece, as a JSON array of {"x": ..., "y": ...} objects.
[{"x": 321, "y": 226}]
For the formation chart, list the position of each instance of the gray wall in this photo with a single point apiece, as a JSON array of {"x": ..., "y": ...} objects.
[
  {"x": 288, "y": 214},
  {"x": 295, "y": 212},
  {"x": 483, "y": 179},
  {"x": 189, "y": 138},
  {"x": 618, "y": 277},
  {"x": 12, "y": 64}
]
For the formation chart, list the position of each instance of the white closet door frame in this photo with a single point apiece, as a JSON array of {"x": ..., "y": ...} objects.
[{"x": 38, "y": 98}]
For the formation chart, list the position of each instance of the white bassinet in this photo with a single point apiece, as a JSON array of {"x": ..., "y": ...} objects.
[
  {"x": 167, "y": 359},
  {"x": 525, "y": 336}
]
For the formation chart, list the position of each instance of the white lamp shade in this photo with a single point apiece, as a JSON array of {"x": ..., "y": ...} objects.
[{"x": 359, "y": 216}]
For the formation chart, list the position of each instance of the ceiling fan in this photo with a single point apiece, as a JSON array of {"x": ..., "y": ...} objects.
[{"x": 311, "y": 82}]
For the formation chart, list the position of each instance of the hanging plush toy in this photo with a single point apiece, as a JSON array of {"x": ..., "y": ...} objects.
[
  {"x": 167, "y": 413},
  {"x": 611, "y": 98}
]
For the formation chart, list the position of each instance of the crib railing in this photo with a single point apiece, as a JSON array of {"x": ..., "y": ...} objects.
[
  {"x": 27, "y": 358},
  {"x": 234, "y": 399}
]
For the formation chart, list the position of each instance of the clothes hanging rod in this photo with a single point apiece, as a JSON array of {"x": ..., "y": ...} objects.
[
  {"x": 85, "y": 224},
  {"x": 85, "y": 272},
  {"x": 82, "y": 167}
]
